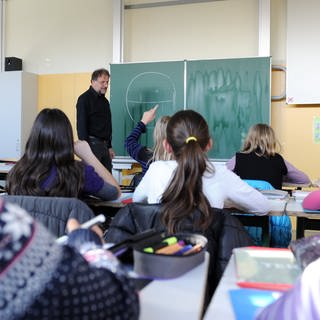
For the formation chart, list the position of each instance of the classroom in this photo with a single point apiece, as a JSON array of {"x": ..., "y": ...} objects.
[{"x": 61, "y": 42}]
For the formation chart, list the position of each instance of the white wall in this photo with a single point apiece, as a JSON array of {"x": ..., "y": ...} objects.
[
  {"x": 68, "y": 36},
  {"x": 59, "y": 36},
  {"x": 219, "y": 29}
]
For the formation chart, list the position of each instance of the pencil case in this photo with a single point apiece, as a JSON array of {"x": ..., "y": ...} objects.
[{"x": 160, "y": 263}]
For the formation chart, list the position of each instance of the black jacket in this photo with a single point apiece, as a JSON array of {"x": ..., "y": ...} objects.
[{"x": 225, "y": 233}]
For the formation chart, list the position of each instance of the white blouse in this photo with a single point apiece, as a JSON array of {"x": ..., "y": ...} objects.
[{"x": 223, "y": 188}]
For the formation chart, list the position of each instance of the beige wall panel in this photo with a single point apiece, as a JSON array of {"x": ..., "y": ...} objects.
[
  {"x": 220, "y": 29},
  {"x": 62, "y": 91}
]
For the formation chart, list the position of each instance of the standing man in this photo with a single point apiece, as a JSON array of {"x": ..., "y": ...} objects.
[{"x": 94, "y": 118}]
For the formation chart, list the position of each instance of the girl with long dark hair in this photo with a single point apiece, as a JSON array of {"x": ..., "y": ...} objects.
[{"x": 48, "y": 166}]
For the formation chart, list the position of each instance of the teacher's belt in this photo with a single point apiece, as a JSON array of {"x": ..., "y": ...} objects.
[{"x": 96, "y": 139}]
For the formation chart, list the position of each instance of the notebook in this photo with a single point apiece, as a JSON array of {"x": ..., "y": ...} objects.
[
  {"x": 246, "y": 303},
  {"x": 266, "y": 268}
]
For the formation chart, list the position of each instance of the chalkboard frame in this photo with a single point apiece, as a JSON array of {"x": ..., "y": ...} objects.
[{"x": 225, "y": 79}]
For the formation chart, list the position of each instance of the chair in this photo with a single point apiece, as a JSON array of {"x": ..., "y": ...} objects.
[
  {"x": 264, "y": 230},
  {"x": 136, "y": 180},
  {"x": 53, "y": 212},
  {"x": 224, "y": 234}
]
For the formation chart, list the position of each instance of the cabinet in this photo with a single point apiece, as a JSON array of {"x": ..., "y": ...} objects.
[{"x": 18, "y": 109}]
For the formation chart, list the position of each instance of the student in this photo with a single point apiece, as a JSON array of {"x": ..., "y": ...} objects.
[
  {"x": 191, "y": 179},
  {"x": 48, "y": 166},
  {"x": 259, "y": 160},
  {"x": 40, "y": 279},
  {"x": 143, "y": 154},
  {"x": 301, "y": 302}
]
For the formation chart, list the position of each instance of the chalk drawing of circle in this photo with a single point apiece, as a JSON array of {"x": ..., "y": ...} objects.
[{"x": 148, "y": 89}]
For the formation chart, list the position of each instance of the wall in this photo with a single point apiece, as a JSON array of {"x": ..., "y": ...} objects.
[
  {"x": 219, "y": 29},
  {"x": 293, "y": 123},
  {"x": 60, "y": 36},
  {"x": 62, "y": 91},
  {"x": 67, "y": 44}
]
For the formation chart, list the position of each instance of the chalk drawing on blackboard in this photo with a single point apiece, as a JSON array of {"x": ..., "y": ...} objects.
[
  {"x": 230, "y": 101},
  {"x": 148, "y": 89}
]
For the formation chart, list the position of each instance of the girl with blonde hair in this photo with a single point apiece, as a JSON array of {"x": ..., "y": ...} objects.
[{"x": 259, "y": 159}]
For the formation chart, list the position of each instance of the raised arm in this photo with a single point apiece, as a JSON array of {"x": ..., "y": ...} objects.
[
  {"x": 83, "y": 151},
  {"x": 131, "y": 143}
]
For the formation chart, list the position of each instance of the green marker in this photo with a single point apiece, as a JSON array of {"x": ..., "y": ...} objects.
[{"x": 164, "y": 243}]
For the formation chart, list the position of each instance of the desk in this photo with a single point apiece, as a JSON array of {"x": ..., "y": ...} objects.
[
  {"x": 293, "y": 208},
  {"x": 288, "y": 206},
  {"x": 4, "y": 169},
  {"x": 305, "y": 220},
  {"x": 107, "y": 208},
  {"x": 220, "y": 306},
  {"x": 180, "y": 298}
]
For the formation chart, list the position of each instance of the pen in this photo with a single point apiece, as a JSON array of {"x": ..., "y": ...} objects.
[
  {"x": 183, "y": 250},
  {"x": 172, "y": 249},
  {"x": 194, "y": 249}
]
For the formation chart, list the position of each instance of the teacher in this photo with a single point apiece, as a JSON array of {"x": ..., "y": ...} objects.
[{"x": 94, "y": 118}]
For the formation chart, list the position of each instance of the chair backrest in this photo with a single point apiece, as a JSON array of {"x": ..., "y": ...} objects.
[
  {"x": 136, "y": 179},
  {"x": 53, "y": 212},
  {"x": 259, "y": 184}
]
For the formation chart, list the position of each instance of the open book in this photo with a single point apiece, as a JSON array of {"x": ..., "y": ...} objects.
[{"x": 266, "y": 268}]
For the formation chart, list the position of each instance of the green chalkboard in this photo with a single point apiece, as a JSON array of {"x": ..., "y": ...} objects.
[
  {"x": 232, "y": 95},
  {"x": 135, "y": 88}
]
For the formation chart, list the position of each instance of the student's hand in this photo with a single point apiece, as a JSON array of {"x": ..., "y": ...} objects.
[
  {"x": 73, "y": 224},
  {"x": 149, "y": 115}
]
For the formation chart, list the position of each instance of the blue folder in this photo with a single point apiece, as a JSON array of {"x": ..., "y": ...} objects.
[{"x": 247, "y": 302}]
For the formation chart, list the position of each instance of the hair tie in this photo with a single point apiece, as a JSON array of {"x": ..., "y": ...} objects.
[{"x": 191, "y": 138}]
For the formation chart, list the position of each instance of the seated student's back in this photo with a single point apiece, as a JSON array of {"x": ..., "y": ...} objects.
[
  {"x": 259, "y": 159},
  {"x": 48, "y": 166},
  {"x": 191, "y": 178}
]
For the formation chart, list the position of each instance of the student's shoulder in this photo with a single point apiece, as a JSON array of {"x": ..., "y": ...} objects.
[
  {"x": 162, "y": 164},
  {"x": 85, "y": 95},
  {"x": 278, "y": 157}
]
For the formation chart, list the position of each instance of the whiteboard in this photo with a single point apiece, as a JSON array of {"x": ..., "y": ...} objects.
[{"x": 303, "y": 52}]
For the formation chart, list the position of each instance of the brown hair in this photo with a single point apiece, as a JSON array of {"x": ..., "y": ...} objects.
[
  {"x": 98, "y": 73},
  {"x": 49, "y": 147},
  {"x": 184, "y": 193}
]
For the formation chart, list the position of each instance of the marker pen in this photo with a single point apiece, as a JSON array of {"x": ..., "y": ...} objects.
[
  {"x": 194, "y": 249},
  {"x": 172, "y": 249},
  {"x": 166, "y": 242},
  {"x": 183, "y": 250}
]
